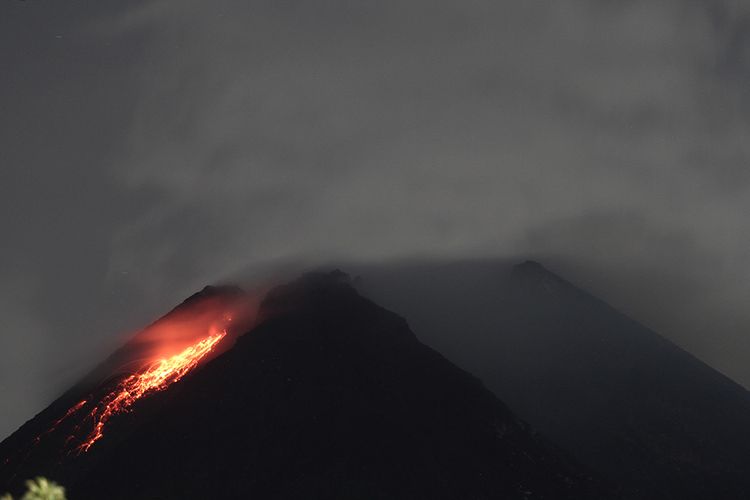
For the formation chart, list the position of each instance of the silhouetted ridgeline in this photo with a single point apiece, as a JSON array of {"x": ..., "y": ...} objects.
[{"x": 625, "y": 401}]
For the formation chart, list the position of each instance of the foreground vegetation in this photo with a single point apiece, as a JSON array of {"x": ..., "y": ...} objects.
[{"x": 40, "y": 489}]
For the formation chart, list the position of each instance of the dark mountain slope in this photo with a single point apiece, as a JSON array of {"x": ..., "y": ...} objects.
[
  {"x": 329, "y": 397},
  {"x": 624, "y": 400}
]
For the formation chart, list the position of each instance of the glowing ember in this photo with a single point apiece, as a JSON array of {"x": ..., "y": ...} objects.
[
  {"x": 155, "y": 376},
  {"x": 69, "y": 413}
]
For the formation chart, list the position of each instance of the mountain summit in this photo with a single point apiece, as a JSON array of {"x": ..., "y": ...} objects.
[
  {"x": 626, "y": 402},
  {"x": 327, "y": 396}
]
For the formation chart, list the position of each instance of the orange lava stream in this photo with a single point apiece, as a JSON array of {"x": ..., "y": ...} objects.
[{"x": 156, "y": 376}]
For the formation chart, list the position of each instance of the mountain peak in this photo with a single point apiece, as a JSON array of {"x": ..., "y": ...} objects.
[
  {"x": 531, "y": 275},
  {"x": 313, "y": 289},
  {"x": 530, "y": 265},
  {"x": 215, "y": 291},
  {"x": 627, "y": 402}
]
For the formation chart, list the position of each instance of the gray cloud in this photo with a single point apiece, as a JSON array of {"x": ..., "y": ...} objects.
[{"x": 151, "y": 148}]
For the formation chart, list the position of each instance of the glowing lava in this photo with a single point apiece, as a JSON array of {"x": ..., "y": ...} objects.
[
  {"x": 60, "y": 420},
  {"x": 155, "y": 376}
]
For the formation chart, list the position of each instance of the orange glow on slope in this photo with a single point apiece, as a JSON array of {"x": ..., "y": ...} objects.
[
  {"x": 202, "y": 327},
  {"x": 155, "y": 376},
  {"x": 70, "y": 412}
]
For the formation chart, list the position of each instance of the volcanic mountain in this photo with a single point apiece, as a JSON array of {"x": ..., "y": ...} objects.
[
  {"x": 623, "y": 400},
  {"x": 323, "y": 394}
]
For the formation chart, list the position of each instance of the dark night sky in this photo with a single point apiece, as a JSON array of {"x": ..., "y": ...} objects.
[{"x": 151, "y": 147}]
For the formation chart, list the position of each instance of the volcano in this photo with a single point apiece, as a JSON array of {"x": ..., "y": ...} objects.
[{"x": 320, "y": 393}]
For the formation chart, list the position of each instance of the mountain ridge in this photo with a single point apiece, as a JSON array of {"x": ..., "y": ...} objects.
[{"x": 625, "y": 401}]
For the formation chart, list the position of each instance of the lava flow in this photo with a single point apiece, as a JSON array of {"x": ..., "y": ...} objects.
[
  {"x": 203, "y": 326},
  {"x": 156, "y": 376}
]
